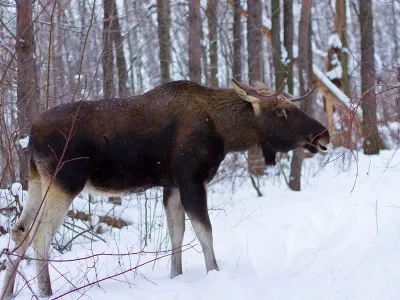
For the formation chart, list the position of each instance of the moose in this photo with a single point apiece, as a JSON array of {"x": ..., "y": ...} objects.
[{"x": 174, "y": 136}]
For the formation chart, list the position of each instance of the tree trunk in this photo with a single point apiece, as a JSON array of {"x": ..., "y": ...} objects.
[
  {"x": 164, "y": 37},
  {"x": 337, "y": 57},
  {"x": 212, "y": 7},
  {"x": 254, "y": 12},
  {"x": 276, "y": 43},
  {"x": 237, "y": 41},
  {"x": 130, "y": 49},
  {"x": 59, "y": 70},
  {"x": 368, "y": 103},
  {"x": 108, "y": 56},
  {"x": 27, "y": 81},
  {"x": 108, "y": 60},
  {"x": 288, "y": 41},
  {"x": 204, "y": 55},
  {"x": 341, "y": 29},
  {"x": 305, "y": 83},
  {"x": 394, "y": 29},
  {"x": 194, "y": 41},
  {"x": 123, "y": 90}
]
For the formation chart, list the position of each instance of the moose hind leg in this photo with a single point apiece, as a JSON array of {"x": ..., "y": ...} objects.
[
  {"x": 176, "y": 226},
  {"x": 194, "y": 200},
  {"x": 53, "y": 211},
  {"x": 20, "y": 230}
]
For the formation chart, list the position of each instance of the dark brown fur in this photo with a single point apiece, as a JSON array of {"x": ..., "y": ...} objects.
[{"x": 174, "y": 136}]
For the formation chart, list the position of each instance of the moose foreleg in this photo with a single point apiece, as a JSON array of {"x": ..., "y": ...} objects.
[
  {"x": 194, "y": 200},
  {"x": 54, "y": 209},
  {"x": 19, "y": 233},
  {"x": 176, "y": 225}
]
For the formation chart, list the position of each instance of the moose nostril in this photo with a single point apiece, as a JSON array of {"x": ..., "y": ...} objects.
[{"x": 323, "y": 141}]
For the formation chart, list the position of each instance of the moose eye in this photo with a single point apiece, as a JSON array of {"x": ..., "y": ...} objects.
[{"x": 281, "y": 113}]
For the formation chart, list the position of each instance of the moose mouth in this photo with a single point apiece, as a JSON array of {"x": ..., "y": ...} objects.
[{"x": 315, "y": 147}]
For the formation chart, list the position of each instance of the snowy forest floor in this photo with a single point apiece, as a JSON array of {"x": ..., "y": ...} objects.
[{"x": 339, "y": 238}]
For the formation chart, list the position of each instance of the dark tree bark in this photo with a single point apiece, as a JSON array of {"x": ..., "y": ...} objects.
[
  {"x": 276, "y": 43},
  {"x": 212, "y": 7},
  {"x": 122, "y": 71},
  {"x": 164, "y": 37},
  {"x": 59, "y": 70},
  {"x": 27, "y": 81},
  {"x": 237, "y": 41},
  {"x": 123, "y": 90},
  {"x": 368, "y": 102},
  {"x": 194, "y": 21},
  {"x": 305, "y": 84},
  {"x": 108, "y": 60},
  {"x": 288, "y": 41},
  {"x": 341, "y": 29},
  {"x": 254, "y": 35},
  {"x": 108, "y": 56}
]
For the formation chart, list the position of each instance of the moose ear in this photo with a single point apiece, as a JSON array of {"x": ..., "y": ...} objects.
[{"x": 240, "y": 90}]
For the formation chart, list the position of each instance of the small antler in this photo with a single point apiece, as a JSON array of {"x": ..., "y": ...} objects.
[
  {"x": 255, "y": 93},
  {"x": 304, "y": 96}
]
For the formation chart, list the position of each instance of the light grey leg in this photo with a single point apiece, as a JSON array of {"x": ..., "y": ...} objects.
[
  {"x": 53, "y": 211},
  {"x": 194, "y": 200},
  {"x": 19, "y": 234},
  {"x": 203, "y": 231},
  {"x": 176, "y": 225}
]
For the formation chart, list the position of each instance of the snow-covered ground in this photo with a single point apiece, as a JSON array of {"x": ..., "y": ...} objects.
[{"x": 337, "y": 239}]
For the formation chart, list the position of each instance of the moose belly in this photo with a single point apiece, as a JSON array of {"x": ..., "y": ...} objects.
[{"x": 110, "y": 192}]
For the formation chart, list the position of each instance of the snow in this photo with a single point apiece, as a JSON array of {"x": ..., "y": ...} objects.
[
  {"x": 336, "y": 239},
  {"x": 334, "y": 41},
  {"x": 24, "y": 142},
  {"x": 16, "y": 188},
  {"x": 337, "y": 71},
  {"x": 334, "y": 89}
]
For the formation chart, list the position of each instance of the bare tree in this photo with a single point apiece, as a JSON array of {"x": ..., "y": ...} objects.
[
  {"x": 164, "y": 37},
  {"x": 123, "y": 90},
  {"x": 276, "y": 43},
  {"x": 212, "y": 8},
  {"x": 27, "y": 82},
  {"x": 108, "y": 56},
  {"x": 237, "y": 41},
  {"x": 369, "y": 127},
  {"x": 341, "y": 30},
  {"x": 108, "y": 60},
  {"x": 305, "y": 84},
  {"x": 254, "y": 11},
  {"x": 194, "y": 21},
  {"x": 288, "y": 41}
]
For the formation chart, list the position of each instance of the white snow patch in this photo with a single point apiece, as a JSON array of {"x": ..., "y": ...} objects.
[
  {"x": 24, "y": 142},
  {"x": 328, "y": 241},
  {"x": 334, "y": 41},
  {"x": 16, "y": 188},
  {"x": 334, "y": 89},
  {"x": 337, "y": 71}
]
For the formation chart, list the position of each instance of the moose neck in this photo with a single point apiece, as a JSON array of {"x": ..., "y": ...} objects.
[{"x": 234, "y": 119}]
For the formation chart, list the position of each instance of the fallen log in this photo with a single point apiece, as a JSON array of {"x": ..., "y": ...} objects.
[{"x": 110, "y": 221}]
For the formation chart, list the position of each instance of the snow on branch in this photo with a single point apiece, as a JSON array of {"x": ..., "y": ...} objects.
[
  {"x": 334, "y": 89},
  {"x": 334, "y": 41}
]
